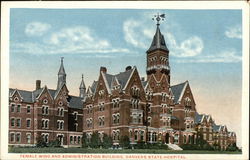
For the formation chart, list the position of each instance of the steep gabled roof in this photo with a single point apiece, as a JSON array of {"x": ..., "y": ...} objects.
[
  {"x": 93, "y": 86},
  {"x": 158, "y": 42},
  {"x": 25, "y": 95},
  {"x": 198, "y": 117},
  {"x": 178, "y": 91},
  {"x": 216, "y": 127},
  {"x": 123, "y": 77},
  {"x": 75, "y": 102}
]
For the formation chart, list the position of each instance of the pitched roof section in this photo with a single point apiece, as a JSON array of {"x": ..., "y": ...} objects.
[
  {"x": 178, "y": 91},
  {"x": 93, "y": 86},
  {"x": 75, "y": 102},
  {"x": 122, "y": 78},
  {"x": 158, "y": 42},
  {"x": 216, "y": 127},
  {"x": 198, "y": 117},
  {"x": 25, "y": 95}
]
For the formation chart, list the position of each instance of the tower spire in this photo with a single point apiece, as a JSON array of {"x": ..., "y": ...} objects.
[
  {"x": 158, "y": 41},
  {"x": 82, "y": 88},
  {"x": 61, "y": 75}
]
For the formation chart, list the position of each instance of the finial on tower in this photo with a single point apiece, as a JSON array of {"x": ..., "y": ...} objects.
[
  {"x": 82, "y": 76},
  {"x": 62, "y": 59},
  {"x": 158, "y": 18}
]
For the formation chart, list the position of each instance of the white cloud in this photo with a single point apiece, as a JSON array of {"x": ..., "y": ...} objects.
[
  {"x": 140, "y": 34},
  {"x": 228, "y": 56},
  {"x": 234, "y": 32},
  {"x": 36, "y": 28},
  {"x": 71, "y": 40}
]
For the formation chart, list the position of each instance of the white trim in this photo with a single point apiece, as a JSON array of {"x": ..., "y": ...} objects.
[
  {"x": 182, "y": 92},
  {"x": 130, "y": 76},
  {"x": 106, "y": 82}
]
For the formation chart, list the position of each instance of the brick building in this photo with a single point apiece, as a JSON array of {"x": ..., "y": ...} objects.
[{"x": 148, "y": 110}]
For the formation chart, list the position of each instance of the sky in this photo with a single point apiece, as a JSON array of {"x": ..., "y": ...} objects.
[{"x": 205, "y": 49}]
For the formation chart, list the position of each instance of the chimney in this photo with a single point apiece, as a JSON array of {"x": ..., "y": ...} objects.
[
  {"x": 103, "y": 69},
  {"x": 143, "y": 79},
  {"x": 38, "y": 84},
  {"x": 128, "y": 68}
]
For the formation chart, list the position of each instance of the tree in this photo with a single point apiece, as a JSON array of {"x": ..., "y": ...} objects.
[
  {"x": 107, "y": 141},
  {"x": 124, "y": 141},
  {"x": 232, "y": 147},
  {"x": 84, "y": 141},
  {"x": 95, "y": 141}
]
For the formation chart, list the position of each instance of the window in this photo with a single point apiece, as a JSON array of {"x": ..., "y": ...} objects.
[
  {"x": 149, "y": 107},
  {"x": 60, "y": 111},
  {"x": 116, "y": 134},
  {"x": 28, "y": 109},
  {"x": 184, "y": 139},
  {"x": 79, "y": 140},
  {"x": 140, "y": 118},
  {"x": 116, "y": 103},
  {"x": 18, "y": 137},
  {"x": 101, "y": 107},
  {"x": 149, "y": 121},
  {"x": 142, "y": 135},
  {"x": 28, "y": 138},
  {"x": 18, "y": 108},
  {"x": 176, "y": 138},
  {"x": 28, "y": 122},
  {"x": 101, "y": 93},
  {"x": 116, "y": 118},
  {"x": 75, "y": 115},
  {"x": 12, "y": 108},
  {"x": 12, "y": 137},
  {"x": 12, "y": 121},
  {"x": 135, "y": 103},
  {"x": 75, "y": 139},
  {"x": 101, "y": 121},
  {"x": 45, "y": 110},
  {"x": 89, "y": 122},
  {"x": 46, "y": 138},
  {"x": 18, "y": 122},
  {"x": 75, "y": 126},
  {"x": 45, "y": 124},
  {"x": 164, "y": 97},
  {"x": 136, "y": 135},
  {"x": 135, "y": 91},
  {"x": 149, "y": 95},
  {"x": 71, "y": 139}
]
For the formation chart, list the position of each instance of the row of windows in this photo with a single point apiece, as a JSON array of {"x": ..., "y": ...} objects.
[
  {"x": 17, "y": 122},
  {"x": 116, "y": 103},
  {"x": 75, "y": 140},
  {"x": 17, "y": 108},
  {"x": 16, "y": 137}
]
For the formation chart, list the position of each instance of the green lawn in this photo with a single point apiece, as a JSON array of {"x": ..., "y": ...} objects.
[{"x": 81, "y": 150}]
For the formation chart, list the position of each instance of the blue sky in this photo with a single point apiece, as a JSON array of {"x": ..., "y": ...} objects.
[{"x": 205, "y": 48}]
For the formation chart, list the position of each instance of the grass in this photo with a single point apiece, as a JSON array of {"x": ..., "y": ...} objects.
[{"x": 108, "y": 151}]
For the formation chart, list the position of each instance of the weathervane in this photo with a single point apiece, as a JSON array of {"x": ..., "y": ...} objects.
[{"x": 158, "y": 18}]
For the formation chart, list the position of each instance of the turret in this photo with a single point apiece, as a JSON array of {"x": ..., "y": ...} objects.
[{"x": 61, "y": 75}]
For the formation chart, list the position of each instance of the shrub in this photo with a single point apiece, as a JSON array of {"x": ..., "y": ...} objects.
[
  {"x": 55, "y": 143},
  {"x": 84, "y": 141},
  {"x": 124, "y": 141},
  {"x": 95, "y": 141},
  {"x": 232, "y": 147},
  {"x": 41, "y": 143},
  {"x": 107, "y": 141}
]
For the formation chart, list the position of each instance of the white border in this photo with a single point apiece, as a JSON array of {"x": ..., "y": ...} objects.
[{"x": 5, "y": 9}]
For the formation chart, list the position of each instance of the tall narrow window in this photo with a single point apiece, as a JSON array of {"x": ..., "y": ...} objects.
[
  {"x": 28, "y": 109},
  {"x": 18, "y": 108},
  {"x": 12, "y": 137},
  {"x": 28, "y": 138},
  {"x": 12, "y": 108},
  {"x": 28, "y": 122},
  {"x": 18, "y": 137},
  {"x": 18, "y": 122},
  {"x": 12, "y": 121}
]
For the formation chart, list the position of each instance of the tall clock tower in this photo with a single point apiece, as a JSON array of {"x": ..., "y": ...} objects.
[{"x": 158, "y": 54}]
